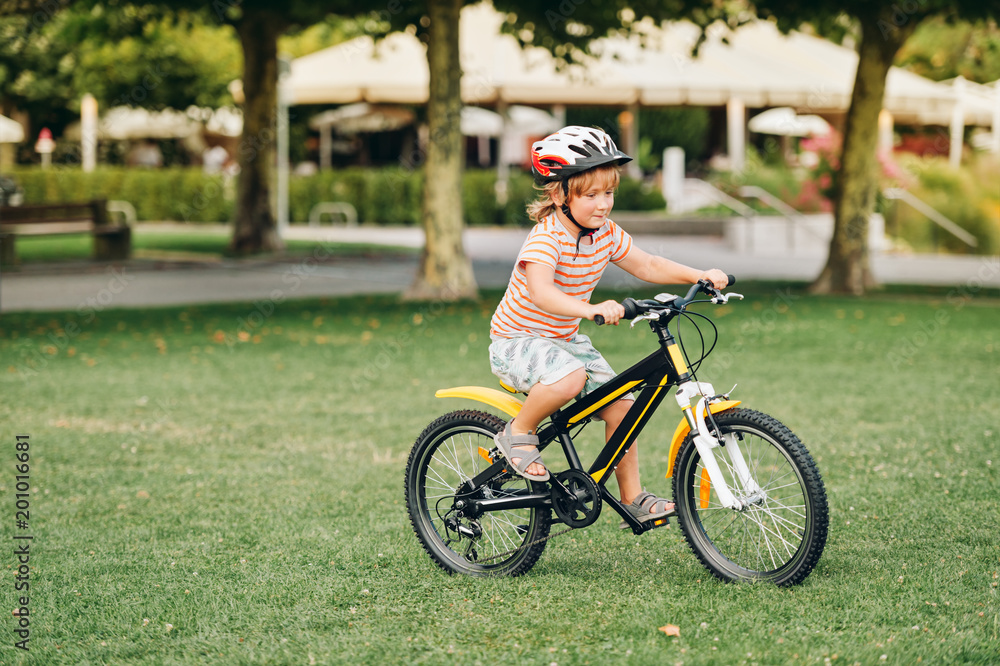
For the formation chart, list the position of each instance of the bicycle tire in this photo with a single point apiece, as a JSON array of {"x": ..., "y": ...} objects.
[
  {"x": 781, "y": 536},
  {"x": 445, "y": 455}
]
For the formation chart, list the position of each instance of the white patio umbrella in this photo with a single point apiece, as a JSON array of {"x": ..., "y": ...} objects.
[
  {"x": 363, "y": 118},
  {"x": 224, "y": 121},
  {"x": 11, "y": 131},
  {"x": 124, "y": 123},
  {"x": 522, "y": 120},
  {"x": 783, "y": 121}
]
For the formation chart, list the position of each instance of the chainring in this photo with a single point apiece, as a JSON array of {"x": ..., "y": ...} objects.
[{"x": 579, "y": 505}]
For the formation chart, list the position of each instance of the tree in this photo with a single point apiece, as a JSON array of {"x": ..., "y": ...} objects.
[
  {"x": 259, "y": 23},
  {"x": 941, "y": 49},
  {"x": 884, "y": 28},
  {"x": 116, "y": 47},
  {"x": 148, "y": 58},
  {"x": 445, "y": 271}
]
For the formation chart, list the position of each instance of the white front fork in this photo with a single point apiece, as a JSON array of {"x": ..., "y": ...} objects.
[{"x": 706, "y": 445}]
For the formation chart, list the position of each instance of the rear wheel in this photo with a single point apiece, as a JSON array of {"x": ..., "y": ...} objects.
[
  {"x": 445, "y": 456},
  {"x": 780, "y": 535}
]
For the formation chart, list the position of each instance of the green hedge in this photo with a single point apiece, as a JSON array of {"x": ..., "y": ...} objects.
[
  {"x": 176, "y": 194},
  {"x": 389, "y": 195}
]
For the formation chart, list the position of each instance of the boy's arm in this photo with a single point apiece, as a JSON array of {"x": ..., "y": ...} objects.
[
  {"x": 660, "y": 270},
  {"x": 546, "y": 295}
]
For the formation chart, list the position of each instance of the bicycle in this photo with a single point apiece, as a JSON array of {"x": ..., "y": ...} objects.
[{"x": 757, "y": 512}]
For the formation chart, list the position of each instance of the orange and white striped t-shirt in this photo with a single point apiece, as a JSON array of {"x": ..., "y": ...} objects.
[{"x": 551, "y": 244}]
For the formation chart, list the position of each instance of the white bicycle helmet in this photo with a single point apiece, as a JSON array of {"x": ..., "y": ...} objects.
[{"x": 572, "y": 150}]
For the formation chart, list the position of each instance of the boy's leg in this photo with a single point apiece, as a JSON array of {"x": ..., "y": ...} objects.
[
  {"x": 627, "y": 472},
  {"x": 542, "y": 400}
]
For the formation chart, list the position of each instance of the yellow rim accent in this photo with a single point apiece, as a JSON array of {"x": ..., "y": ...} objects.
[
  {"x": 706, "y": 488},
  {"x": 599, "y": 474},
  {"x": 683, "y": 429},
  {"x": 505, "y": 403},
  {"x": 611, "y": 398},
  {"x": 678, "y": 358}
]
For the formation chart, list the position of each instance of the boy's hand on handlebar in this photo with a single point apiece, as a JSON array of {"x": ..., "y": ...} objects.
[
  {"x": 718, "y": 279},
  {"x": 611, "y": 311}
]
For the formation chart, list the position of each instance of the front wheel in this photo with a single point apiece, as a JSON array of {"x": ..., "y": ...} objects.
[
  {"x": 780, "y": 533},
  {"x": 448, "y": 453}
]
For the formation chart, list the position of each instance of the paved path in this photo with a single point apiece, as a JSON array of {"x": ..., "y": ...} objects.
[{"x": 140, "y": 283}]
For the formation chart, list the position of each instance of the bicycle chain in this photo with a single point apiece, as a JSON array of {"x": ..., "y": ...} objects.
[
  {"x": 525, "y": 545},
  {"x": 494, "y": 453}
]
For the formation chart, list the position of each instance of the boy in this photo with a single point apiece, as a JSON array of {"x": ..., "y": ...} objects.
[{"x": 536, "y": 345}]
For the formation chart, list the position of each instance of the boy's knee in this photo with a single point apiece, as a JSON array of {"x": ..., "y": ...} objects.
[{"x": 571, "y": 385}]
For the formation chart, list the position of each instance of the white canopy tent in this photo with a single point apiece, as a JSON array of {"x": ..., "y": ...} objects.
[
  {"x": 759, "y": 66},
  {"x": 977, "y": 98}
]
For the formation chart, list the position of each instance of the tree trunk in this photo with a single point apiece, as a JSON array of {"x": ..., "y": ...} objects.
[
  {"x": 445, "y": 271},
  {"x": 254, "y": 228},
  {"x": 848, "y": 267}
]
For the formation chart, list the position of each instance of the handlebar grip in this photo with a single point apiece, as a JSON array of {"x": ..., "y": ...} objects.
[
  {"x": 599, "y": 320},
  {"x": 732, "y": 280},
  {"x": 631, "y": 311}
]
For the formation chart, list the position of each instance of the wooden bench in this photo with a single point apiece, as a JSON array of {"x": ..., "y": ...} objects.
[{"x": 111, "y": 241}]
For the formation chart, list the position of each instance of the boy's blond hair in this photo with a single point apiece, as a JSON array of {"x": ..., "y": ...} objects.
[{"x": 546, "y": 204}]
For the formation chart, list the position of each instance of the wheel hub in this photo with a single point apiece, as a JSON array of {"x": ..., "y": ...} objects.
[{"x": 747, "y": 501}]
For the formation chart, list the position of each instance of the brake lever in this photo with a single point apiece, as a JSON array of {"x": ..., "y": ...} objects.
[
  {"x": 721, "y": 298},
  {"x": 646, "y": 316}
]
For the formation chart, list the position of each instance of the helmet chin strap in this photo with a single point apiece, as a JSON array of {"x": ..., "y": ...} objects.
[{"x": 584, "y": 231}]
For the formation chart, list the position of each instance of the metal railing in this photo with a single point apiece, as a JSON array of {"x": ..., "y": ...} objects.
[
  {"x": 720, "y": 197},
  {"x": 932, "y": 214},
  {"x": 793, "y": 218}
]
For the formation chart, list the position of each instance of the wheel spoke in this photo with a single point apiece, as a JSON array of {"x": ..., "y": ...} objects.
[
  {"x": 765, "y": 530},
  {"x": 774, "y": 504}
]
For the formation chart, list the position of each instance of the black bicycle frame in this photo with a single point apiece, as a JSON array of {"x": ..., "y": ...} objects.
[{"x": 653, "y": 376}]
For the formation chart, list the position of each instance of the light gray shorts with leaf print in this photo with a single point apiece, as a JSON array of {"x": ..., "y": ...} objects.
[{"x": 523, "y": 362}]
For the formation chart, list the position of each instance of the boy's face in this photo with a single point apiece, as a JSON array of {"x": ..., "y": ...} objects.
[{"x": 593, "y": 205}]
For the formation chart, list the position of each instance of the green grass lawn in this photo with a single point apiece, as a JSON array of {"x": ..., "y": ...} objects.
[
  {"x": 193, "y": 244},
  {"x": 202, "y": 492}
]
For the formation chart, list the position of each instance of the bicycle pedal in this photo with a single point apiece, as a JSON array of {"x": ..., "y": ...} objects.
[
  {"x": 660, "y": 522},
  {"x": 649, "y": 525}
]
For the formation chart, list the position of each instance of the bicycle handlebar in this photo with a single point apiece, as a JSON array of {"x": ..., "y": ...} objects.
[{"x": 634, "y": 308}]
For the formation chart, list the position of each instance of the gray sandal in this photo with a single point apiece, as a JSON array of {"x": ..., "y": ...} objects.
[
  {"x": 506, "y": 442},
  {"x": 641, "y": 506}
]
